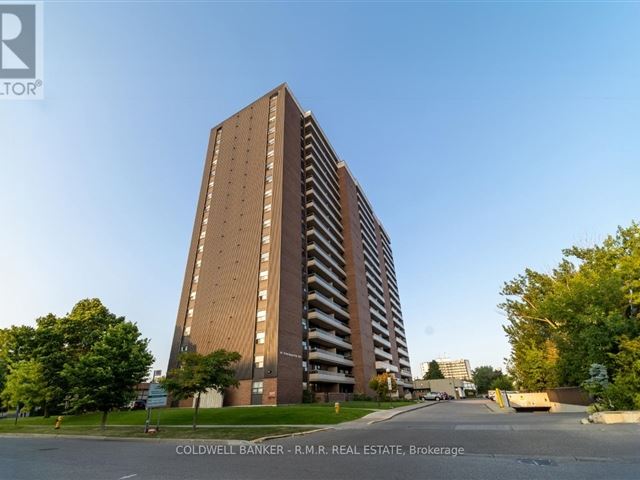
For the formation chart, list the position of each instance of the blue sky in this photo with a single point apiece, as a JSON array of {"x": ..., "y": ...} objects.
[{"x": 488, "y": 136}]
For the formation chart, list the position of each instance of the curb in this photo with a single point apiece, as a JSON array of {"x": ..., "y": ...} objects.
[{"x": 287, "y": 435}]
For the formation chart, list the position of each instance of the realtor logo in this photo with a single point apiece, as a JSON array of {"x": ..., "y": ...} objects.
[{"x": 20, "y": 50}]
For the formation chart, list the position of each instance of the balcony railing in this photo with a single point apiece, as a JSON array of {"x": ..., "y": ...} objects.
[
  {"x": 404, "y": 362},
  {"x": 327, "y": 321},
  {"x": 386, "y": 366},
  {"x": 379, "y": 327},
  {"x": 381, "y": 353},
  {"x": 325, "y": 376},
  {"x": 322, "y": 337},
  {"x": 320, "y": 284},
  {"x": 315, "y": 265},
  {"x": 320, "y": 299},
  {"x": 320, "y": 355},
  {"x": 381, "y": 341}
]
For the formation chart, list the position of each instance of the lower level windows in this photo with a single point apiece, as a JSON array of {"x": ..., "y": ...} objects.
[{"x": 256, "y": 388}]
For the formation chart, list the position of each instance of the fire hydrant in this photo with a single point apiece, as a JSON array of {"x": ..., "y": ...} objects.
[
  {"x": 58, "y": 422},
  {"x": 337, "y": 407}
]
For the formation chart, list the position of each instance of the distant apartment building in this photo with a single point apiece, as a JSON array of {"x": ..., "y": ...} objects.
[
  {"x": 460, "y": 369},
  {"x": 288, "y": 263}
]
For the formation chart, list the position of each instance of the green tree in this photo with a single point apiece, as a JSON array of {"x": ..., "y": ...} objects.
[
  {"x": 198, "y": 373},
  {"x": 105, "y": 375},
  {"x": 434, "y": 372},
  {"x": 503, "y": 382},
  {"x": 380, "y": 384},
  {"x": 484, "y": 376},
  {"x": 25, "y": 385},
  {"x": 561, "y": 322},
  {"x": 624, "y": 393}
]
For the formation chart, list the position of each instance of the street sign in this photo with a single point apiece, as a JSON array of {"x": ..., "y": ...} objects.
[{"x": 157, "y": 396}]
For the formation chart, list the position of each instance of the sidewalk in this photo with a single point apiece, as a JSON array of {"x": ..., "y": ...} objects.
[{"x": 381, "y": 416}]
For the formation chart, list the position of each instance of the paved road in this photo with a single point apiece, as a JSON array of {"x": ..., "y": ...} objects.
[{"x": 495, "y": 446}]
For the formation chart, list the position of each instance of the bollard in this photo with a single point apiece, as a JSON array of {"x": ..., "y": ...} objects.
[
  {"x": 337, "y": 407},
  {"x": 58, "y": 422}
]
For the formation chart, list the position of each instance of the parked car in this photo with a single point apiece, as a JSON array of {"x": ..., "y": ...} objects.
[
  {"x": 138, "y": 405},
  {"x": 437, "y": 396}
]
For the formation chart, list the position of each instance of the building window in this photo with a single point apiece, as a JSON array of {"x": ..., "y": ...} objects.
[
  {"x": 203, "y": 234},
  {"x": 267, "y": 207},
  {"x": 265, "y": 239},
  {"x": 264, "y": 275},
  {"x": 269, "y": 179},
  {"x": 190, "y": 314},
  {"x": 268, "y": 193},
  {"x": 266, "y": 223},
  {"x": 262, "y": 294},
  {"x": 264, "y": 257},
  {"x": 256, "y": 388},
  {"x": 261, "y": 316},
  {"x": 187, "y": 331},
  {"x": 259, "y": 361},
  {"x": 196, "y": 278},
  {"x": 192, "y": 296},
  {"x": 270, "y": 166},
  {"x": 260, "y": 338}
]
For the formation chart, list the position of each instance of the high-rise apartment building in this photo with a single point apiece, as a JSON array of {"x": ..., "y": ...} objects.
[
  {"x": 460, "y": 369},
  {"x": 288, "y": 264}
]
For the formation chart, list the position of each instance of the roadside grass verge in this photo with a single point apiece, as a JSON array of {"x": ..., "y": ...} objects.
[{"x": 250, "y": 433}]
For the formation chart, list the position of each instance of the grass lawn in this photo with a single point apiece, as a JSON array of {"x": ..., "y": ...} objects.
[{"x": 119, "y": 421}]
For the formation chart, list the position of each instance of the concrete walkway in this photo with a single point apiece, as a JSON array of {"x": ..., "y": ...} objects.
[{"x": 381, "y": 416}]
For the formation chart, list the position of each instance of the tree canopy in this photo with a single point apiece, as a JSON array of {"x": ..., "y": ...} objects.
[
  {"x": 579, "y": 314},
  {"x": 434, "y": 372},
  {"x": 60, "y": 352}
]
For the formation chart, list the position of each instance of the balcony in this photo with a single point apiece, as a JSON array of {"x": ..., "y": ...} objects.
[
  {"x": 328, "y": 339},
  {"x": 381, "y": 341},
  {"x": 379, "y": 328},
  {"x": 315, "y": 265},
  {"x": 400, "y": 341},
  {"x": 317, "y": 299},
  {"x": 381, "y": 353},
  {"x": 326, "y": 238},
  {"x": 327, "y": 321},
  {"x": 402, "y": 351},
  {"x": 326, "y": 288},
  {"x": 405, "y": 372},
  {"x": 386, "y": 366},
  {"x": 325, "y": 376},
  {"x": 317, "y": 250},
  {"x": 319, "y": 223},
  {"x": 327, "y": 217},
  {"x": 380, "y": 306},
  {"x": 404, "y": 362},
  {"x": 378, "y": 316},
  {"x": 323, "y": 356}
]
